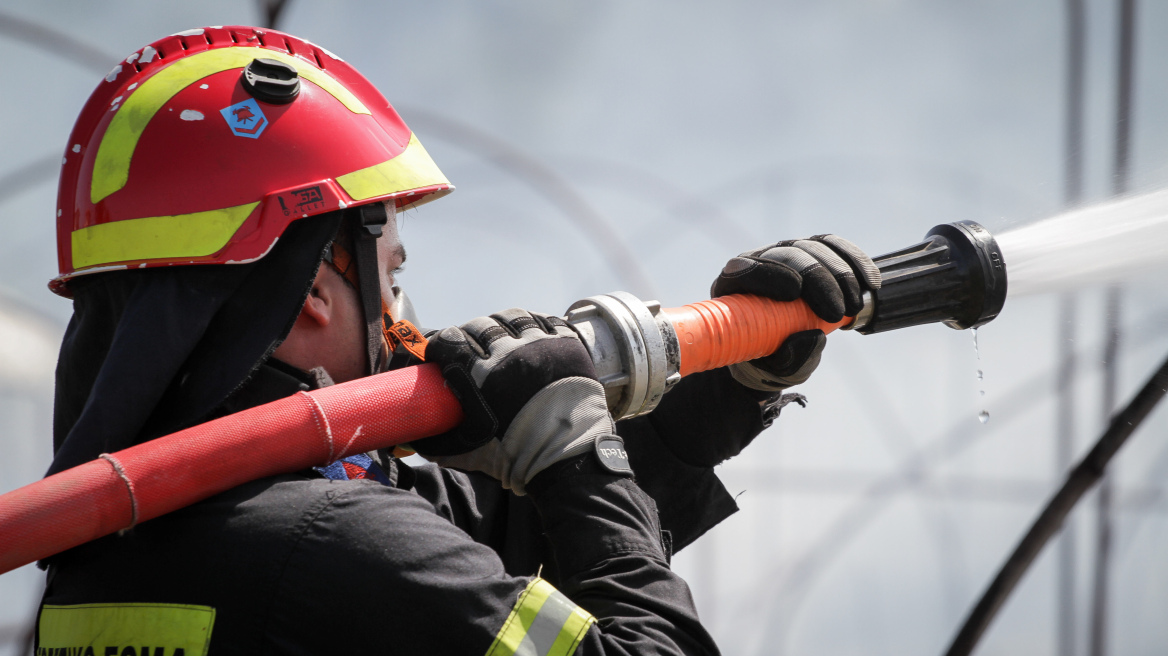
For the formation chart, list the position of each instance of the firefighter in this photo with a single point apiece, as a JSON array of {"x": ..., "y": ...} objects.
[{"x": 227, "y": 232}]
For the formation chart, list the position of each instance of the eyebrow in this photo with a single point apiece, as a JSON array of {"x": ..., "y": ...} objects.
[{"x": 400, "y": 251}]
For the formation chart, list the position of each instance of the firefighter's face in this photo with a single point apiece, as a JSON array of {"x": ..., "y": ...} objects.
[{"x": 330, "y": 331}]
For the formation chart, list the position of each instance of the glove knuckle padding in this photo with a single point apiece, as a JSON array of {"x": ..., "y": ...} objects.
[
  {"x": 510, "y": 314},
  {"x": 792, "y": 256},
  {"x": 554, "y": 325},
  {"x": 452, "y": 345},
  {"x": 861, "y": 264},
  {"x": 825, "y": 256},
  {"x": 845, "y": 278},
  {"x": 483, "y": 331},
  {"x": 451, "y": 335},
  {"x": 738, "y": 266},
  {"x": 516, "y": 321}
]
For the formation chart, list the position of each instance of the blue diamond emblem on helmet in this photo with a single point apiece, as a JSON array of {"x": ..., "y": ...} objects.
[{"x": 245, "y": 119}]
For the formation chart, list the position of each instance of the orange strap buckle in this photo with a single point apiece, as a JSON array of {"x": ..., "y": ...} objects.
[{"x": 404, "y": 333}]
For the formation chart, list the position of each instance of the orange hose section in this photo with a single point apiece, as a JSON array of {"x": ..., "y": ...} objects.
[
  {"x": 738, "y": 328},
  {"x": 93, "y": 500}
]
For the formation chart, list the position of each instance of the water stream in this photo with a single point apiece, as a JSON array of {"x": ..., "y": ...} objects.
[
  {"x": 1088, "y": 246},
  {"x": 1085, "y": 247}
]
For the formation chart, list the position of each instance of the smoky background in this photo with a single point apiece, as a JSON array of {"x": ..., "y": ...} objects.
[{"x": 636, "y": 146}]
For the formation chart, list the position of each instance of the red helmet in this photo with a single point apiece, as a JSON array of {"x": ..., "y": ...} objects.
[{"x": 203, "y": 146}]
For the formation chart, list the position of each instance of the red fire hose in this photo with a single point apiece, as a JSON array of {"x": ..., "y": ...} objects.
[{"x": 119, "y": 490}]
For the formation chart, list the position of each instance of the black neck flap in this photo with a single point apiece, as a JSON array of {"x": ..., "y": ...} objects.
[{"x": 152, "y": 351}]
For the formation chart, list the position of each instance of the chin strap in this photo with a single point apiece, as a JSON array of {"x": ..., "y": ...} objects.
[{"x": 370, "y": 219}]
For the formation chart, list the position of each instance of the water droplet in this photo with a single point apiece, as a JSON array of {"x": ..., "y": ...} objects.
[{"x": 983, "y": 416}]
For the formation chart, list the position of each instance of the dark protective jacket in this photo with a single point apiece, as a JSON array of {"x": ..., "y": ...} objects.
[{"x": 439, "y": 562}]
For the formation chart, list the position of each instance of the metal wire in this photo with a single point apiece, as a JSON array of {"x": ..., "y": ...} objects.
[
  {"x": 1064, "y": 436},
  {"x": 1076, "y": 25},
  {"x": 56, "y": 43},
  {"x": 1125, "y": 62},
  {"x": 1082, "y": 477}
]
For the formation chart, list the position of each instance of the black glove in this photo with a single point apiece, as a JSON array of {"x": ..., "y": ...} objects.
[
  {"x": 529, "y": 391},
  {"x": 830, "y": 273}
]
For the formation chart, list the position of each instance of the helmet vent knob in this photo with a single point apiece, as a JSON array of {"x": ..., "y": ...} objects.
[{"x": 271, "y": 81}]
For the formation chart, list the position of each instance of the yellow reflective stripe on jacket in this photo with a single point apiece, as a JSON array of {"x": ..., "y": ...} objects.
[
  {"x": 141, "y": 629},
  {"x": 543, "y": 623},
  {"x": 111, "y": 167},
  {"x": 412, "y": 169},
  {"x": 156, "y": 237}
]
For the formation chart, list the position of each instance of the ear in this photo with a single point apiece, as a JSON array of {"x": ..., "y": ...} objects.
[{"x": 320, "y": 306}]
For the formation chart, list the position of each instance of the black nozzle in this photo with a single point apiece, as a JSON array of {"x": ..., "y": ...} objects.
[{"x": 956, "y": 276}]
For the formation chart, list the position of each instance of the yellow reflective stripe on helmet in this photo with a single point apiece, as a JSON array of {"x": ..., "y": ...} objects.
[
  {"x": 99, "y": 629},
  {"x": 156, "y": 237},
  {"x": 412, "y": 169},
  {"x": 111, "y": 167},
  {"x": 543, "y": 623}
]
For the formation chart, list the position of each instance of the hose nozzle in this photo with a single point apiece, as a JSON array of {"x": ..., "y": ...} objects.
[{"x": 956, "y": 276}]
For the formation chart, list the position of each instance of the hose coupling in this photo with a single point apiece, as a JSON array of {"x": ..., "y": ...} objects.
[{"x": 633, "y": 346}]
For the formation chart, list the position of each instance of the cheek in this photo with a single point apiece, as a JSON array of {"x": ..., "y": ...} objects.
[
  {"x": 354, "y": 319},
  {"x": 350, "y": 342}
]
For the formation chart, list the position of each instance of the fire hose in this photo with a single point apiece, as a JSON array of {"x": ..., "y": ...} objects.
[{"x": 955, "y": 276}]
